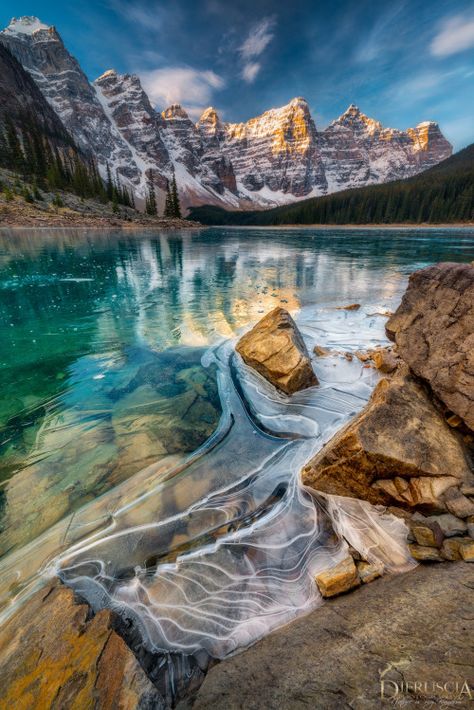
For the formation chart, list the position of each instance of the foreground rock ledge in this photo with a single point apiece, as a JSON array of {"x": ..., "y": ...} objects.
[
  {"x": 410, "y": 627},
  {"x": 54, "y": 655},
  {"x": 434, "y": 332},
  {"x": 274, "y": 347}
]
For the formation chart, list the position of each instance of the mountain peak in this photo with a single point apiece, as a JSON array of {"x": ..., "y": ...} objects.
[
  {"x": 109, "y": 74},
  {"x": 209, "y": 118},
  {"x": 26, "y": 25},
  {"x": 298, "y": 101},
  {"x": 354, "y": 118},
  {"x": 175, "y": 111}
]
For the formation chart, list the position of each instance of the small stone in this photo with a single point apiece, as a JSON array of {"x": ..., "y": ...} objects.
[
  {"x": 450, "y": 549},
  {"x": 449, "y": 524},
  {"x": 320, "y": 351},
  {"x": 459, "y": 505},
  {"x": 427, "y": 534},
  {"x": 425, "y": 554},
  {"x": 349, "y": 356},
  {"x": 368, "y": 572},
  {"x": 467, "y": 550},
  {"x": 384, "y": 360},
  {"x": 362, "y": 355},
  {"x": 454, "y": 420},
  {"x": 338, "y": 579},
  {"x": 350, "y": 307},
  {"x": 470, "y": 526}
]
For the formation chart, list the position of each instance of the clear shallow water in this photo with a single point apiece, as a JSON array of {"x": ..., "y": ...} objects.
[{"x": 116, "y": 366}]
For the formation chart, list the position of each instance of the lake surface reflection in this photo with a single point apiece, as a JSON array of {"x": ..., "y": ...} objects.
[{"x": 102, "y": 336}]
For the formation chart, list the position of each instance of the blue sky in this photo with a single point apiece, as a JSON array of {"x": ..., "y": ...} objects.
[{"x": 401, "y": 62}]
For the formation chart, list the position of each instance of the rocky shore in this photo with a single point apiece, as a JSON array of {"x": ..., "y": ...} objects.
[
  {"x": 64, "y": 209},
  {"x": 411, "y": 451}
]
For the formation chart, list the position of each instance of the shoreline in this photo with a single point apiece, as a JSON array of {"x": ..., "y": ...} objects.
[
  {"x": 392, "y": 226},
  {"x": 106, "y": 223}
]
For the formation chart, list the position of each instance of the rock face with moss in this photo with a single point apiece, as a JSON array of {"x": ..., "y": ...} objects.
[
  {"x": 55, "y": 654},
  {"x": 434, "y": 332},
  {"x": 274, "y": 347}
]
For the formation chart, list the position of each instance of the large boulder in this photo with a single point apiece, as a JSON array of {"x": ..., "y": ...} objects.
[
  {"x": 434, "y": 332},
  {"x": 397, "y": 451},
  {"x": 54, "y": 655},
  {"x": 274, "y": 347}
]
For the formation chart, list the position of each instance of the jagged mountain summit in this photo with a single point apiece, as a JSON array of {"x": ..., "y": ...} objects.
[{"x": 273, "y": 159}]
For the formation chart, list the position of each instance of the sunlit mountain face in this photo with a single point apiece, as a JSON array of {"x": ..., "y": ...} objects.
[{"x": 147, "y": 119}]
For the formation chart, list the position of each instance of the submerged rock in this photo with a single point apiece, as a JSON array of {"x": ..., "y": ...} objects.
[
  {"x": 274, "y": 347},
  {"x": 397, "y": 451},
  {"x": 434, "y": 331},
  {"x": 53, "y": 654}
]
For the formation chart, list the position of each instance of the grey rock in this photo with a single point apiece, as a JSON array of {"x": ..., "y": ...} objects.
[{"x": 334, "y": 657}]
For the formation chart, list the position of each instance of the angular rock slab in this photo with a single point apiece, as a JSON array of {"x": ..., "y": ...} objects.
[
  {"x": 408, "y": 627},
  {"x": 274, "y": 347},
  {"x": 53, "y": 655},
  {"x": 434, "y": 331},
  {"x": 397, "y": 451}
]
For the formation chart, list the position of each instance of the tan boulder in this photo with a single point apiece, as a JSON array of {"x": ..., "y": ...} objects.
[
  {"x": 54, "y": 655},
  {"x": 274, "y": 347},
  {"x": 397, "y": 451},
  {"x": 338, "y": 579},
  {"x": 428, "y": 534},
  {"x": 451, "y": 548},
  {"x": 424, "y": 553},
  {"x": 434, "y": 331}
]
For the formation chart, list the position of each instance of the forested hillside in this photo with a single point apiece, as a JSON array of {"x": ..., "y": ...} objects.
[
  {"x": 444, "y": 193},
  {"x": 35, "y": 145}
]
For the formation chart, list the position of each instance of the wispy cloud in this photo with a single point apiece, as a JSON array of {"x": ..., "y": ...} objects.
[
  {"x": 250, "y": 71},
  {"x": 258, "y": 39},
  {"x": 138, "y": 13},
  {"x": 385, "y": 31},
  {"x": 184, "y": 85},
  {"x": 424, "y": 85},
  {"x": 456, "y": 34}
]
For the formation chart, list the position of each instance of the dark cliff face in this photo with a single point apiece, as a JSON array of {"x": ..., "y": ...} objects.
[
  {"x": 66, "y": 88},
  {"x": 24, "y": 104}
]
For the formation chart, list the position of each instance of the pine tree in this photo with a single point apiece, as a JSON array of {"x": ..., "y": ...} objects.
[
  {"x": 168, "y": 211},
  {"x": 150, "y": 205},
  {"x": 175, "y": 206},
  {"x": 109, "y": 187}
]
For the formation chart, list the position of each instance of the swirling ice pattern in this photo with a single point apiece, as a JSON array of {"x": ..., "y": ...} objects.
[{"x": 234, "y": 558}]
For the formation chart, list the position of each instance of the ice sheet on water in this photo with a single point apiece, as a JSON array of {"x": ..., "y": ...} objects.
[{"x": 234, "y": 551}]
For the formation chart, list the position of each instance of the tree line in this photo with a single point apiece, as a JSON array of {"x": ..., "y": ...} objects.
[
  {"x": 32, "y": 155},
  {"x": 172, "y": 208}
]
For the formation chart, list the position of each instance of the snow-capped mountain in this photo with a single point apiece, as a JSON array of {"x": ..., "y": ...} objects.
[{"x": 275, "y": 158}]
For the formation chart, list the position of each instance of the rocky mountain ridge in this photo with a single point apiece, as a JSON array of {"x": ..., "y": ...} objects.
[{"x": 275, "y": 158}]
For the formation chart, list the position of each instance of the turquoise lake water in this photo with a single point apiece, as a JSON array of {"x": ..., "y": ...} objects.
[
  {"x": 145, "y": 464},
  {"x": 102, "y": 336}
]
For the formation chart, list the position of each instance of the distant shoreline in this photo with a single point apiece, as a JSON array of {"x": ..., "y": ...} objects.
[{"x": 394, "y": 225}]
